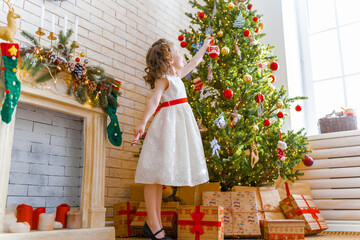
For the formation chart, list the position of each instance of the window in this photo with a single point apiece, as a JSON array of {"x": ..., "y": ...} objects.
[{"x": 330, "y": 48}]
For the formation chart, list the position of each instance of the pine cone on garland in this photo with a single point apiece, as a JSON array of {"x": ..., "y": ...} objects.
[
  {"x": 70, "y": 66},
  {"x": 78, "y": 70},
  {"x": 53, "y": 57},
  {"x": 92, "y": 86}
]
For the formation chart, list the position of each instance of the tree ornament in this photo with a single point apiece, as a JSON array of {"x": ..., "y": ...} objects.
[
  {"x": 198, "y": 84},
  {"x": 77, "y": 59},
  {"x": 250, "y": 6},
  {"x": 230, "y": 5},
  {"x": 259, "y": 98},
  {"x": 257, "y": 30},
  {"x": 261, "y": 25},
  {"x": 280, "y": 114},
  {"x": 225, "y": 50},
  {"x": 282, "y": 146},
  {"x": 82, "y": 54},
  {"x": 239, "y": 22},
  {"x": 86, "y": 61},
  {"x": 213, "y": 51},
  {"x": 236, "y": 117},
  {"x": 201, "y": 127},
  {"x": 255, "y": 127},
  {"x": 12, "y": 84},
  {"x": 228, "y": 94},
  {"x": 255, "y": 19},
  {"x": 201, "y": 15},
  {"x": 274, "y": 66},
  {"x": 209, "y": 75},
  {"x": 247, "y": 78},
  {"x": 183, "y": 44},
  {"x": 298, "y": 108},
  {"x": 267, "y": 122},
  {"x": 208, "y": 91},
  {"x": 246, "y": 33},
  {"x": 237, "y": 49},
  {"x": 180, "y": 37},
  {"x": 220, "y": 34},
  {"x": 308, "y": 161},
  {"x": 214, "y": 144},
  {"x": 279, "y": 104},
  {"x": 272, "y": 78},
  {"x": 220, "y": 121}
]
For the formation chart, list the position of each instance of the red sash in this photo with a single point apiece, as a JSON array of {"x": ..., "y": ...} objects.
[{"x": 171, "y": 103}]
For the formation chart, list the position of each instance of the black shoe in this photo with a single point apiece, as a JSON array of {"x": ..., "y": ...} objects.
[{"x": 147, "y": 231}]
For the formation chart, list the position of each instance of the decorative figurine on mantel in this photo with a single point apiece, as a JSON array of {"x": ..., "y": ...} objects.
[
  {"x": 10, "y": 53},
  {"x": 7, "y": 33}
]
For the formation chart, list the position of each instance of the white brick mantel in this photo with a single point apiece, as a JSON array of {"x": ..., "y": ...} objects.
[{"x": 93, "y": 181}]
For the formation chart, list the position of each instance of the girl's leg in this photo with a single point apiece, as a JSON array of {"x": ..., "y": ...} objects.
[
  {"x": 158, "y": 204},
  {"x": 150, "y": 194}
]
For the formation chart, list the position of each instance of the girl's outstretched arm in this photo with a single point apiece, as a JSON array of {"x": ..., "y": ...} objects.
[
  {"x": 161, "y": 85},
  {"x": 196, "y": 59}
]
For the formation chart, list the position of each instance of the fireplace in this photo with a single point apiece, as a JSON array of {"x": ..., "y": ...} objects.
[{"x": 91, "y": 202}]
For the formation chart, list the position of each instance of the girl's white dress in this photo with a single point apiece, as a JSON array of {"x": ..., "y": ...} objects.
[{"x": 172, "y": 153}]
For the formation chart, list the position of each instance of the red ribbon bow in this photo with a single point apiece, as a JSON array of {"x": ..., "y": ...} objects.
[{"x": 311, "y": 211}]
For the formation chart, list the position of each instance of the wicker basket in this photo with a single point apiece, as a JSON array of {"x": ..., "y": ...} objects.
[{"x": 337, "y": 124}]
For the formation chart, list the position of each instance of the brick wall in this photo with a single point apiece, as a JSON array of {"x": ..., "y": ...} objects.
[
  {"x": 115, "y": 34},
  {"x": 47, "y": 158}
]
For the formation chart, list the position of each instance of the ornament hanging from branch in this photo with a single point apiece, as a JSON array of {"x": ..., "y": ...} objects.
[
  {"x": 239, "y": 22},
  {"x": 220, "y": 121},
  {"x": 215, "y": 147}
]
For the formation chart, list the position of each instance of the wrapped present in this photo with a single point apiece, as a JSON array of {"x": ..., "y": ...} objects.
[
  {"x": 137, "y": 192},
  {"x": 168, "y": 218},
  {"x": 283, "y": 229},
  {"x": 192, "y": 195},
  {"x": 304, "y": 208},
  {"x": 267, "y": 199},
  {"x": 124, "y": 213},
  {"x": 285, "y": 188},
  {"x": 201, "y": 222},
  {"x": 240, "y": 212}
]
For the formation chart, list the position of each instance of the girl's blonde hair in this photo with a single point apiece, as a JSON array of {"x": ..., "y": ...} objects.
[{"x": 158, "y": 61}]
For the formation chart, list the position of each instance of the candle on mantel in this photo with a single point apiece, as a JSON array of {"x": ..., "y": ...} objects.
[
  {"x": 46, "y": 222},
  {"x": 53, "y": 23},
  {"x": 65, "y": 23},
  {"x": 76, "y": 29},
  {"x": 73, "y": 219},
  {"x": 42, "y": 16}
]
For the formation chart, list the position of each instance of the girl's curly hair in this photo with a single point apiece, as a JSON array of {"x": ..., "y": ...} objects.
[{"x": 158, "y": 61}]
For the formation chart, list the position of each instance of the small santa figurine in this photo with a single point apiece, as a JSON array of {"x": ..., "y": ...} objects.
[{"x": 281, "y": 150}]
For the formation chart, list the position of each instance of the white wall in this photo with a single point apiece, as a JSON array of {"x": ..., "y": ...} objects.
[{"x": 280, "y": 22}]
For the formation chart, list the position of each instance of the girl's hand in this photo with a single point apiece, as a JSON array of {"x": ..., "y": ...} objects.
[
  {"x": 208, "y": 40},
  {"x": 139, "y": 129}
]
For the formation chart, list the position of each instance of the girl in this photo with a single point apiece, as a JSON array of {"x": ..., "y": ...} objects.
[{"x": 172, "y": 153}]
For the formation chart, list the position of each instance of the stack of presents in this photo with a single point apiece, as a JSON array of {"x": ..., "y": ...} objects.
[{"x": 205, "y": 213}]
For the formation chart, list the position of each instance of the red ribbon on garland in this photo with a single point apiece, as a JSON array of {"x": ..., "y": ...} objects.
[
  {"x": 127, "y": 212},
  {"x": 197, "y": 223}
]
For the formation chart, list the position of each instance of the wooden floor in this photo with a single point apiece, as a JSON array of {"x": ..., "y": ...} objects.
[{"x": 321, "y": 236}]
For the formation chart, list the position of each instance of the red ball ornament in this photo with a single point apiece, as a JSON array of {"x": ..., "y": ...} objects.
[
  {"x": 3, "y": 68},
  {"x": 7, "y": 91},
  {"x": 231, "y": 124},
  {"x": 77, "y": 59},
  {"x": 280, "y": 115},
  {"x": 213, "y": 50},
  {"x": 257, "y": 30},
  {"x": 228, "y": 94},
  {"x": 259, "y": 98},
  {"x": 250, "y": 6},
  {"x": 183, "y": 44},
  {"x": 181, "y": 37},
  {"x": 308, "y": 161},
  {"x": 246, "y": 33},
  {"x": 255, "y": 19},
  {"x": 201, "y": 15},
  {"x": 298, "y": 108},
  {"x": 274, "y": 66},
  {"x": 273, "y": 78},
  {"x": 267, "y": 123}
]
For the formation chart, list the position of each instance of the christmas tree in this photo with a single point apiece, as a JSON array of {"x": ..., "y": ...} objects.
[{"x": 239, "y": 111}]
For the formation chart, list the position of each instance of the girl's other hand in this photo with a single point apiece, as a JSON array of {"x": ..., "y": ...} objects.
[
  {"x": 139, "y": 129},
  {"x": 208, "y": 40}
]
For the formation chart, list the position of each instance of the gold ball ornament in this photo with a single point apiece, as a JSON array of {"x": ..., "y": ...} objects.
[
  {"x": 220, "y": 33},
  {"x": 230, "y": 6},
  {"x": 279, "y": 104},
  {"x": 225, "y": 50},
  {"x": 82, "y": 54},
  {"x": 261, "y": 25},
  {"x": 247, "y": 78}
]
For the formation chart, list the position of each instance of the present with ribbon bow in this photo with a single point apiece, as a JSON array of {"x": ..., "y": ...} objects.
[
  {"x": 124, "y": 213},
  {"x": 168, "y": 218},
  {"x": 284, "y": 229},
  {"x": 303, "y": 207},
  {"x": 201, "y": 222},
  {"x": 240, "y": 212},
  {"x": 285, "y": 188},
  {"x": 267, "y": 201}
]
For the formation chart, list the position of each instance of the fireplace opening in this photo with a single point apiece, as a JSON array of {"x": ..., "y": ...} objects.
[{"x": 47, "y": 159}]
